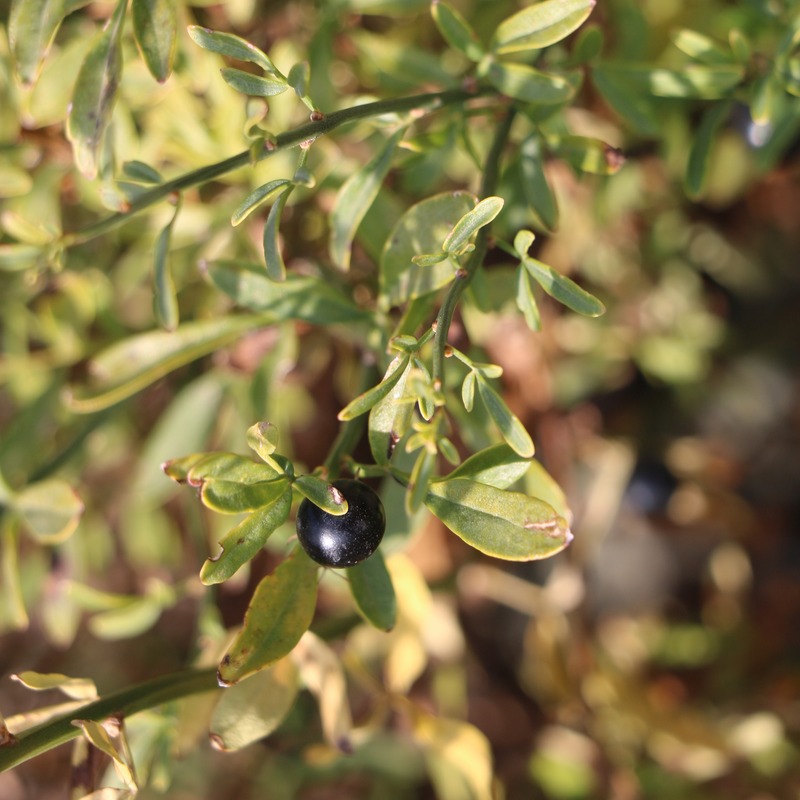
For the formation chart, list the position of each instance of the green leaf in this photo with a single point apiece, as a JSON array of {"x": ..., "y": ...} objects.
[
  {"x": 280, "y": 612},
  {"x": 588, "y": 45},
  {"x": 225, "y": 466},
  {"x": 391, "y": 417},
  {"x": 32, "y": 26},
  {"x": 227, "y": 44},
  {"x": 255, "y": 198},
  {"x": 512, "y": 429},
  {"x": 698, "y": 81},
  {"x": 540, "y": 484},
  {"x": 19, "y": 257},
  {"x": 701, "y": 48},
  {"x": 456, "y": 30},
  {"x": 95, "y": 93},
  {"x": 537, "y": 190},
  {"x": 276, "y": 269},
  {"x": 740, "y": 46},
  {"x": 298, "y": 297},
  {"x": 178, "y": 468},
  {"x": 114, "y": 746},
  {"x": 587, "y": 154},
  {"x": 480, "y": 216},
  {"x": 140, "y": 172},
  {"x": 322, "y": 494},
  {"x": 299, "y": 78},
  {"x": 356, "y": 196},
  {"x": 243, "y": 541},
  {"x": 563, "y": 289},
  {"x": 429, "y": 259},
  {"x": 499, "y": 466},
  {"x": 129, "y": 366},
  {"x": 540, "y": 25},
  {"x": 468, "y": 390},
  {"x": 420, "y": 479},
  {"x": 626, "y": 100},
  {"x": 526, "y": 83},
  {"x": 50, "y": 510},
  {"x": 699, "y": 155},
  {"x": 74, "y": 688},
  {"x": 262, "y": 438},
  {"x": 421, "y": 229},
  {"x": 364, "y": 402},
  {"x": 526, "y": 299},
  {"x": 373, "y": 592},
  {"x": 252, "y": 85},
  {"x": 155, "y": 26},
  {"x": 165, "y": 300},
  {"x": 254, "y": 708},
  {"x": 232, "y": 497},
  {"x": 497, "y": 522}
]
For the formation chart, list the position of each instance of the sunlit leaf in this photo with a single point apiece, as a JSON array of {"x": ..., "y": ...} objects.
[
  {"x": 475, "y": 219},
  {"x": 526, "y": 299},
  {"x": 242, "y": 542},
  {"x": 133, "y": 618},
  {"x": 255, "y": 198},
  {"x": 227, "y": 467},
  {"x": 526, "y": 83},
  {"x": 276, "y": 269},
  {"x": 497, "y": 466},
  {"x": 367, "y": 400},
  {"x": 372, "y": 590},
  {"x": 262, "y": 438},
  {"x": 512, "y": 429},
  {"x": 456, "y": 31},
  {"x": 563, "y": 289},
  {"x": 540, "y": 484},
  {"x": 109, "y": 738},
  {"x": 280, "y": 612},
  {"x": 155, "y": 26},
  {"x": 701, "y": 48},
  {"x": 231, "y": 497},
  {"x": 700, "y": 153},
  {"x": 356, "y": 196},
  {"x": 694, "y": 80},
  {"x": 252, "y": 85},
  {"x": 50, "y": 510},
  {"x": 322, "y": 494},
  {"x": 18, "y": 257},
  {"x": 75, "y": 688},
  {"x": 497, "y": 522},
  {"x": 540, "y": 25},
  {"x": 227, "y": 44},
  {"x": 254, "y": 708},
  {"x": 588, "y": 155},
  {"x": 390, "y": 418},
  {"x": 95, "y": 93},
  {"x": 468, "y": 390}
]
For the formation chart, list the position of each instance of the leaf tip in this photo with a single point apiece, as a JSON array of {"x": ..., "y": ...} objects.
[{"x": 217, "y": 742}]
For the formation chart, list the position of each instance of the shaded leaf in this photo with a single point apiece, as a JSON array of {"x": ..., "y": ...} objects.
[
  {"x": 499, "y": 466},
  {"x": 255, "y": 198},
  {"x": 364, "y": 402},
  {"x": 50, "y": 510},
  {"x": 373, "y": 592},
  {"x": 140, "y": 172},
  {"x": 699, "y": 81},
  {"x": 254, "y": 708},
  {"x": 456, "y": 30},
  {"x": 391, "y": 417},
  {"x": 155, "y": 26},
  {"x": 165, "y": 301},
  {"x": 626, "y": 100},
  {"x": 540, "y": 484},
  {"x": 231, "y": 497},
  {"x": 497, "y": 522},
  {"x": 540, "y": 25},
  {"x": 699, "y": 155},
  {"x": 526, "y": 299},
  {"x": 356, "y": 196},
  {"x": 252, "y": 85},
  {"x": 299, "y": 78},
  {"x": 322, "y": 494},
  {"x": 280, "y": 612},
  {"x": 242, "y": 542},
  {"x": 563, "y": 289},
  {"x": 526, "y": 83},
  {"x": 537, "y": 190},
  {"x": 276, "y": 269},
  {"x": 227, "y": 44},
  {"x": 511, "y": 428},
  {"x": 421, "y": 475},
  {"x": 95, "y": 93},
  {"x": 129, "y": 366},
  {"x": 588, "y": 155},
  {"x": 480, "y": 216}
]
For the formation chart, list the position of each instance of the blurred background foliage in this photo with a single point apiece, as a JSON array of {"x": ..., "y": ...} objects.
[{"x": 659, "y": 656}]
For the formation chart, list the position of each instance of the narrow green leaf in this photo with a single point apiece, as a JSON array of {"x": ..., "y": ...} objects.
[
  {"x": 74, "y": 688},
  {"x": 480, "y": 216},
  {"x": 19, "y": 257},
  {"x": 373, "y": 592},
  {"x": 512, "y": 429},
  {"x": 26, "y": 230},
  {"x": 626, "y": 100},
  {"x": 497, "y": 522},
  {"x": 254, "y": 708},
  {"x": 526, "y": 83},
  {"x": 587, "y": 154},
  {"x": 140, "y": 172},
  {"x": 95, "y": 93},
  {"x": 421, "y": 229},
  {"x": 32, "y": 26},
  {"x": 429, "y": 259},
  {"x": 14, "y": 181},
  {"x": 299, "y": 78},
  {"x": 231, "y": 497},
  {"x": 699, "y": 155},
  {"x": 540, "y": 25},
  {"x": 114, "y": 746},
  {"x": 499, "y": 466},
  {"x": 540, "y": 484},
  {"x": 526, "y": 299},
  {"x": 224, "y": 466},
  {"x": 227, "y": 44},
  {"x": 49, "y": 510},
  {"x": 390, "y": 418},
  {"x": 356, "y": 196},
  {"x": 767, "y": 96},
  {"x": 420, "y": 479},
  {"x": 537, "y": 190},
  {"x": 564, "y": 289},
  {"x": 276, "y": 268},
  {"x": 364, "y": 402},
  {"x": 740, "y": 45},
  {"x": 588, "y": 45},
  {"x": 701, "y": 48},
  {"x": 468, "y": 390},
  {"x": 243, "y": 541},
  {"x": 262, "y": 438},
  {"x": 322, "y": 494},
  {"x": 165, "y": 300},
  {"x": 11, "y": 585},
  {"x": 155, "y": 27},
  {"x": 255, "y": 198},
  {"x": 694, "y": 80},
  {"x": 456, "y": 31},
  {"x": 280, "y": 612},
  {"x": 252, "y": 85},
  {"x": 178, "y": 468},
  {"x": 128, "y": 366},
  {"x": 298, "y": 297}
]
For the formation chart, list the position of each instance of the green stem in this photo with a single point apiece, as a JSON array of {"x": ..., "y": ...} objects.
[
  {"x": 311, "y": 130},
  {"x": 123, "y": 703},
  {"x": 489, "y": 181}
]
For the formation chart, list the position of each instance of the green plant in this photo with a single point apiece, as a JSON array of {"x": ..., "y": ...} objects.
[{"x": 388, "y": 219}]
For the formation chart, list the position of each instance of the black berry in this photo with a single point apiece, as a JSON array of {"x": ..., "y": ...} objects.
[{"x": 348, "y": 539}]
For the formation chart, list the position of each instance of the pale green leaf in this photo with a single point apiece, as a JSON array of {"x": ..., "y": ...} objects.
[
  {"x": 497, "y": 522},
  {"x": 252, "y": 85},
  {"x": 50, "y": 510},
  {"x": 109, "y": 738},
  {"x": 540, "y": 25},
  {"x": 280, "y": 612},
  {"x": 75, "y": 688},
  {"x": 511, "y": 428},
  {"x": 232, "y": 497},
  {"x": 535, "y": 185},
  {"x": 322, "y": 494},
  {"x": 700, "y": 153},
  {"x": 254, "y": 708},
  {"x": 498, "y": 466},
  {"x": 155, "y": 27},
  {"x": 227, "y": 44},
  {"x": 526, "y": 299},
  {"x": 526, "y": 83},
  {"x": 224, "y": 466},
  {"x": 420, "y": 478},
  {"x": 355, "y": 197},
  {"x": 165, "y": 300},
  {"x": 140, "y": 172},
  {"x": 273, "y": 258},
  {"x": 364, "y": 402},
  {"x": 95, "y": 93},
  {"x": 373, "y": 592},
  {"x": 18, "y": 257},
  {"x": 701, "y": 48},
  {"x": 563, "y": 289},
  {"x": 541, "y": 485},
  {"x": 299, "y": 78},
  {"x": 255, "y": 198},
  {"x": 468, "y": 390},
  {"x": 429, "y": 259},
  {"x": 475, "y": 219},
  {"x": 262, "y": 438},
  {"x": 129, "y": 620},
  {"x": 456, "y": 31},
  {"x": 587, "y": 154},
  {"x": 390, "y": 418}
]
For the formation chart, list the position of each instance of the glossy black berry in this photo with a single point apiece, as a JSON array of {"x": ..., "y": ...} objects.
[{"x": 346, "y": 540}]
